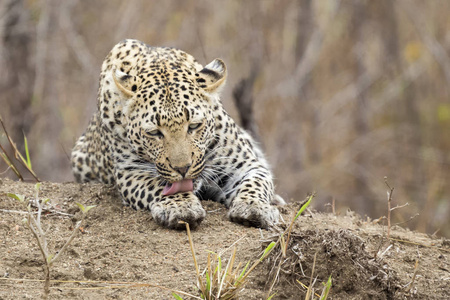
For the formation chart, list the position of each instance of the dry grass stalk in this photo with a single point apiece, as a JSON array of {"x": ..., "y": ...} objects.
[
  {"x": 389, "y": 194},
  {"x": 191, "y": 244},
  {"x": 409, "y": 285},
  {"x": 26, "y": 163},
  {"x": 421, "y": 245},
  {"x": 310, "y": 289},
  {"x": 306, "y": 287}
]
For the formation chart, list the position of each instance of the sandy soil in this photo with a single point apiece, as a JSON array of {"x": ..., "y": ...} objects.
[{"x": 119, "y": 244}]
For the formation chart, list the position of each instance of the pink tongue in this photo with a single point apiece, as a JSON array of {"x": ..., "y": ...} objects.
[{"x": 185, "y": 185}]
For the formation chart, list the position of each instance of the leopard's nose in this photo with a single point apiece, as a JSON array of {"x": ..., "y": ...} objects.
[{"x": 182, "y": 170}]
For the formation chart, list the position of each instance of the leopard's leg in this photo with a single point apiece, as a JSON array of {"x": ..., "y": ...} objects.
[
  {"x": 91, "y": 160},
  {"x": 140, "y": 190},
  {"x": 251, "y": 199},
  {"x": 81, "y": 166},
  {"x": 169, "y": 210}
]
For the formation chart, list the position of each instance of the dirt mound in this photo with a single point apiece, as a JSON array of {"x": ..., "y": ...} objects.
[{"x": 120, "y": 245}]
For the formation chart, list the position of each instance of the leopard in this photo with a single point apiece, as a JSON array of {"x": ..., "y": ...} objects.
[{"x": 161, "y": 137}]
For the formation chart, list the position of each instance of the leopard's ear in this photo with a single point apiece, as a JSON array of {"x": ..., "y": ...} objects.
[
  {"x": 213, "y": 76},
  {"x": 124, "y": 82}
]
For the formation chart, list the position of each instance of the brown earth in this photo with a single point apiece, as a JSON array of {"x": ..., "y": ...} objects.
[{"x": 119, "y": 244}]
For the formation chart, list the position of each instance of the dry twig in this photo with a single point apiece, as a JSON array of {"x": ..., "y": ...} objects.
[
  {"x": 409, "y": 285},
  {"x": 389, "y": 194},
  {"x": 17, "y": 155}
]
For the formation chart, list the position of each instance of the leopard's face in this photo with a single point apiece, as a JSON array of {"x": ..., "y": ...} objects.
[
  {"x": 174, "y": 137},
  {"x": 166, "y": 113}
]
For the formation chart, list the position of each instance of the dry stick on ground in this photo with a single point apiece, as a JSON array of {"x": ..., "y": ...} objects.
[
  {"x": 306, "y": 287},
  {"x": 191, "y": 243},
  {"x": 416, "y": 267},
  {"x": 409, "y": 285},
  {"x": 26, "y": 212},
  {"x": 99, "y": 284}
]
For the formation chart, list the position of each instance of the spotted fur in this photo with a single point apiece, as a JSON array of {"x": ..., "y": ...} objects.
[{"x": 160, "y": 120}]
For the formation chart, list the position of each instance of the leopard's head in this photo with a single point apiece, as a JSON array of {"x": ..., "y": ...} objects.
[{"x": 170, "y": 120}]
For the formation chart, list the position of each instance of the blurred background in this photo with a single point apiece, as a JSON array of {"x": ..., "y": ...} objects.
[{"x": 345, "y": 92}]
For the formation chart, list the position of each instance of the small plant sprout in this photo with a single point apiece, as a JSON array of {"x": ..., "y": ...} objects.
[
  {"x": 18, "y": 197},
  {"x": 34, "y": 224},
  {"x": 326, "y": 289},
  {"x": 217, "y": 282}
]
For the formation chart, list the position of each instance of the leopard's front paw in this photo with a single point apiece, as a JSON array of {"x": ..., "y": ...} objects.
[
  {"x": 179, "y": 207},
  {"x": 257, "y": 214}
]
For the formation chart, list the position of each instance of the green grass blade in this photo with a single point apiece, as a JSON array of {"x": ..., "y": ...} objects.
[
  {"x": 243, "y": 272},
  {"x": 326, "y": 289},
  {"x": 268, "y": 249},
  {"x": 208, "y": 283},
  {"x": 27, "y": 152},
  {"x": 81, "y": 206},
  {"x": 18, "y": 197},
  {"x": 85, "y": 209},
  {"x": 176, "y": 296},
  {"x": 49, "y": 258},
  {"x": 271, "y": 296},
  {"x": 304, "y": 206},
  {"x": 88, "y": 208}
]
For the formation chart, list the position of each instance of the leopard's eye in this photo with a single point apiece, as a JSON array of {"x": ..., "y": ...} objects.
[
  {"x": 194, "y": 126},
  {"x": 155, "y": 133}
]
